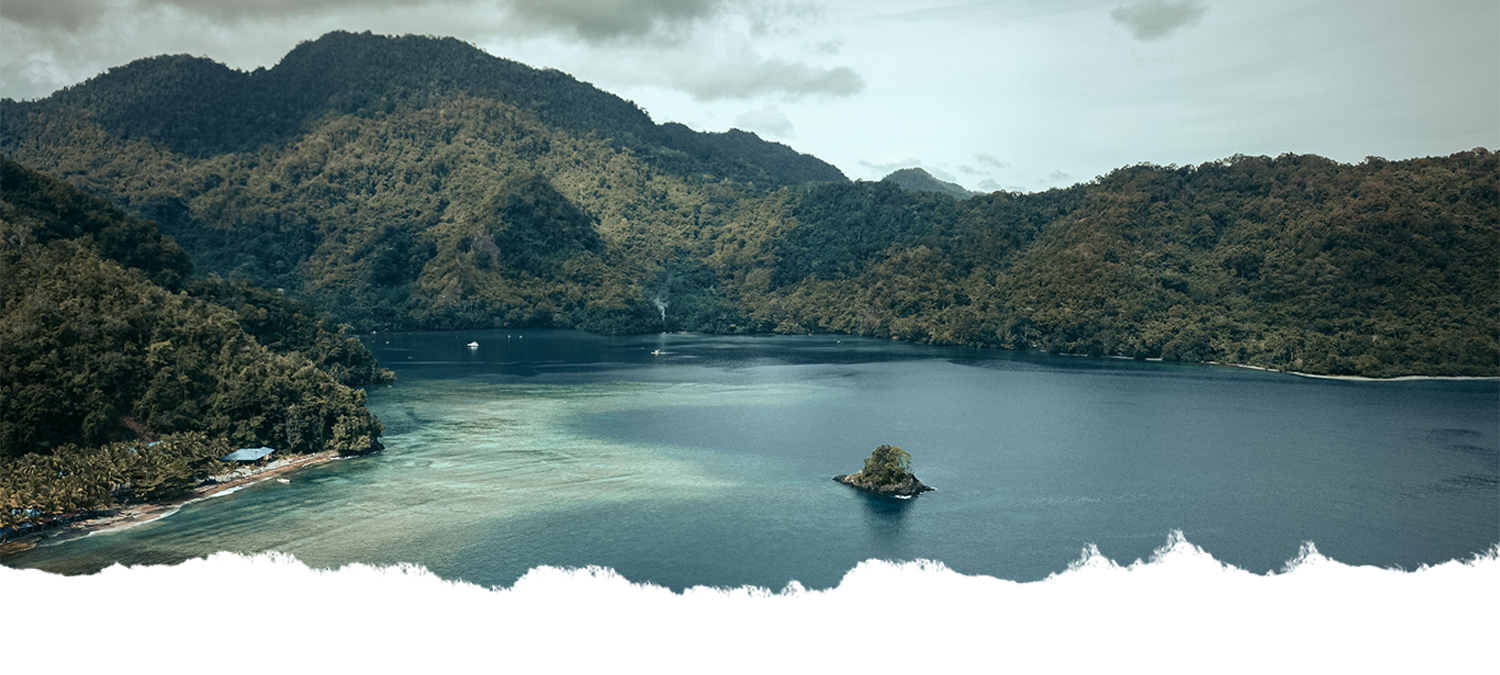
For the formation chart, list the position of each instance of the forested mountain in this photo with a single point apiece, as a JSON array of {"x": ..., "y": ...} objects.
[
  {"x": 1297, "y": 263},
  {"x": 121, "y": 377},
  {"x": 419, "y": 183},
  {"x": 398, "y": 148},
  {"x": 918, "y": 180},
  {"x": 199, "y": 108}
]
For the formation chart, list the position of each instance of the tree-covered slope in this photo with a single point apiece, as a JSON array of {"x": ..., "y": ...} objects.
[
  {"x": 113, "y": 374},
  {"x": 363, "y": 172},
  {"x": 419, "y": 183},
  {"x": 199, "y": 108},
  {"x": 1298, "y": 263},
  {"x": 918, "y": 180}
]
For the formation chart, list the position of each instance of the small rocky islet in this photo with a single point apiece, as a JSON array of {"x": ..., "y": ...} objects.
[{"x": 887, "y": 472}]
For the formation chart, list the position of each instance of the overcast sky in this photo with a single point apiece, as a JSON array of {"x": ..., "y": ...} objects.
[{"x": 1008, "y": 94}]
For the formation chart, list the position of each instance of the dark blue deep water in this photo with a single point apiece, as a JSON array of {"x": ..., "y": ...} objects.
[{"x": 687, "y": 460}]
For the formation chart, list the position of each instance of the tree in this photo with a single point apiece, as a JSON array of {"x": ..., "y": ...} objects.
[{"x": 887, "y": 465}]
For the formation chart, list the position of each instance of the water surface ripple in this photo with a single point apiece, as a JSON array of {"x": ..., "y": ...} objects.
[{"x": 688, "y": 460}]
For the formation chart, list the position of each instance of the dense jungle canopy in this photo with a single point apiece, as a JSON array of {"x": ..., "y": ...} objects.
[
  {"x": 403, "y": 183},
  {"x": 122, "y": 376}
]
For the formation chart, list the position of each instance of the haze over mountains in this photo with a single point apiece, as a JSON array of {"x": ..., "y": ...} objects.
[{"x": 420, "y": 183}]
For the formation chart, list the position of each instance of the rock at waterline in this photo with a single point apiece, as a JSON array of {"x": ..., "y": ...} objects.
[
  {"x": 910, "y": 487},
  {"x": 887, "y": 472}
]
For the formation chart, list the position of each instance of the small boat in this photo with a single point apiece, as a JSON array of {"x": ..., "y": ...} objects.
[
  {"x": 283, "y": 480},
  {"x": 473, "y": 345}
]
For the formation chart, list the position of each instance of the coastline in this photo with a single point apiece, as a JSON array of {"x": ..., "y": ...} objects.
[
  {"x": 1121, "y": 357},
  {"x": 906, "y": 489},
  {"x": 130, "y": 515},
  {"x": 1360, "y": 378}
]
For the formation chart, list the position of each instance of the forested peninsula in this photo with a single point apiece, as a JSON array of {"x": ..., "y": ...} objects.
[
  {"x": 123, "y": 377},
  {"x": 419, "y": 183}
]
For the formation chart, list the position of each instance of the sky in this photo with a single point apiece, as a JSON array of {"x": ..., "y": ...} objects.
[{"x": 1018, "y": 95}]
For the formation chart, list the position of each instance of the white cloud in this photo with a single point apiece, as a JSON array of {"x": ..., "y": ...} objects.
[
  {"x": 940, "y": 173},
  {"x": 1046, "y": 86},
  {"x": 829, "y": 47},
  {"x": 602, "y": 20},
  {"x": 990, "y": 160},
  {"x": 1149, "y": 20},
  {"x": 885, "y": 168},
  {"x": 709, "y": 49},
  {"x": 768, "y": 76},
  {"x": 67, "y": 15},
  {"x": 768, "y": 121}
]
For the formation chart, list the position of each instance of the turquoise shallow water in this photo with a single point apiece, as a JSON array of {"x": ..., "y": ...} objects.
[{"x": 698, "y": 460}]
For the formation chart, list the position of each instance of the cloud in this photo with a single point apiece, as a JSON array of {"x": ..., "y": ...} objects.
[
  {"x": 604, "y": 20},
  {"x": 741, "y": 53},
  {"x": 74, "y": 15},
  {"x": 987, "y": 164},
  {"x": 887, "y": 168},
  {"x": 1149, "y": 20},
  {"x": 768, "y": 120},
  {"x": 68, "y": 15},
  {"x": 940, "y": 174},
  {"x": 786, "y": 17},
  {"x": 258, "y": 9},
  {"x": 748, "y": 79},
  {"x": 991, "y": 160},
  {"x": 593, "y": 21},
  {"x": 708, "y": 49},
  {"x": 711, "y": 50}
]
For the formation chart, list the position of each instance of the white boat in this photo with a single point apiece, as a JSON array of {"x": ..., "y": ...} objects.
[{"x": 473, "y": 345}]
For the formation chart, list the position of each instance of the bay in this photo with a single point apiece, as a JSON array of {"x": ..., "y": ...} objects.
[{"x": 685, "y": 460}]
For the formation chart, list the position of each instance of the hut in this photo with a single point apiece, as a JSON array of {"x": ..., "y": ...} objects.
[{"x": 248, "y": 454}]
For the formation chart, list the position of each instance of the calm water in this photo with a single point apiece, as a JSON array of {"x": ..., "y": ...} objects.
[{"x": 688, "y": 460}]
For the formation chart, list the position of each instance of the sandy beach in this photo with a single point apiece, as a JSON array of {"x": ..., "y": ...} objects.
[
  {"x": 131, "y": 515},
  {"x": 1354, "y": 378},
  {"x": 1398, "y": 378}
]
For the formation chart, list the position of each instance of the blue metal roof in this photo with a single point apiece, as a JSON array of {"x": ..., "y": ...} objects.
[{"x": 248, "y": 454}]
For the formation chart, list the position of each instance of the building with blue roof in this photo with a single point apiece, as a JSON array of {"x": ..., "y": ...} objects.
[{"x": 248, "y": 454}]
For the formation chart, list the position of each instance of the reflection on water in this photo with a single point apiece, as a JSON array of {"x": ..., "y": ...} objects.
[
  {"x": 685, "y": 460},
  {"x": 885, "y": 517}
]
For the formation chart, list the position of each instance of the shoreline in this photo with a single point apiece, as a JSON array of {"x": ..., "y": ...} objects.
[
  {"x": 906, "y": 489},
  {"x": 1154, "y": 359},
  {"x": 127, "y": 516},
  {"x": 1360, "y": 378}
]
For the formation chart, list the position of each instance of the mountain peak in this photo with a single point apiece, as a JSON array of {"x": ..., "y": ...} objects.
[
  {"x": 199, "y": 108},
  {"x": 916, "y": 179}
]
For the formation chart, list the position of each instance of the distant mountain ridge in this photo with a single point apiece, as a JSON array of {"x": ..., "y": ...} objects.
[
  {"x": 917, "y": 179},
  {"x": 418, "y": 183},
  {"x": 199, "y": 107}
]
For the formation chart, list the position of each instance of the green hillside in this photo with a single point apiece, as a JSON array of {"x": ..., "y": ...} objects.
[
  {"x": 419, "y": 183},
  {"x": 198, "y": 108},
  {"x": 918, "y": 180},
  {"x": 1296, "y": 263},
  {"x": 257, "y": 173},
  {"x": 120, "y": 378}
]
